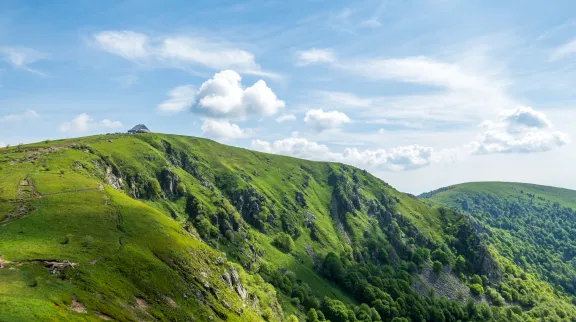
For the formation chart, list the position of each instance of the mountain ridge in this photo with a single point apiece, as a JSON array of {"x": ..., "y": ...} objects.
[{"x": 307, "y": 240}]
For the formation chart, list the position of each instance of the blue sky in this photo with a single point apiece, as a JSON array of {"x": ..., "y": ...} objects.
[{"x": 422, "y": 93}]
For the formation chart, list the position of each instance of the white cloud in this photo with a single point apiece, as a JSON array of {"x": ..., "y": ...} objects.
[
  {"x": 315, "y": 55},
  {"x": 178, "y": 52},
  {"x": 180, "y": 99},
  {"x": 224, "y": 130},
  {"x": 564, "y": 50},
  {"x": 296, "y": 147},
  {"x": 28, "y": 115},
  {"x": 2, "y": 144},
  {"x": 84, "y": 123},
  {"x": 321, "y": 121},
  {"x": 423, "y": 70},
  {"x": 463, "y": 91},
  {"x": 126, "y": 44},
  {"x": 223, "y": 96},
  {"x": 401, "y": 158},
  {"x": 521, "y": 130},
  {"x": 21, "y": 58},
  {"x": 286, "y": 117}
]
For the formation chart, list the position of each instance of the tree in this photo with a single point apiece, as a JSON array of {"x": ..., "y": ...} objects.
[
  {"x": 336, "y": 311},
  {"x": 460, "y": 264},
  {"x": 333, "y": 267},
  {"x": 476, "y": 289},
  {"x": 440, "y": 255},
  {"x": 437, "y": 267}
]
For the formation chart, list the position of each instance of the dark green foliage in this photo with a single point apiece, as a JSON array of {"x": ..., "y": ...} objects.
[
  {"x": 333, "y": 267},
  {"x": 536, "y": 231},
  {"x": 437, "y": 267},
  {"x": 476, "y": 289},
  {"x": 283, "y": 242}
]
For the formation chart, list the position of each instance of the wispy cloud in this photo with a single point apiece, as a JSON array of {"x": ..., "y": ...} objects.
[
  {"x": 178, "y": 52},
  {"x": 22, "y": 58},
  {"x": 457, "y": 91},
  {"x": 564, "y": 50},
  {"x": 28, "y": 115}
]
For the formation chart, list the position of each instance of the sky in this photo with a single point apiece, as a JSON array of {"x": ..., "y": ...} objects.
[{"x": 421, "y": 93}]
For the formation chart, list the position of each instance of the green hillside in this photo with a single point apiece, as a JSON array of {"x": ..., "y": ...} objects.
[
  {"x": 531, "y": 224},
  {"x": 174, "y": 228}
]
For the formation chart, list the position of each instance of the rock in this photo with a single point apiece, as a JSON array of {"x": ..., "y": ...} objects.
[
  {"x": 225, "y": 304},
  {"x": 300, "y": 199},
  {"x": 227, "y": 278}
]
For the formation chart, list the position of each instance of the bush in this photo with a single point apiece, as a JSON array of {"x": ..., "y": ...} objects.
[
  {"x": 437, "y": 267},
  {"x": 476, "y": 289},
  {"x": 283, "y": 242},
  {"x": 440, "y": 255}
]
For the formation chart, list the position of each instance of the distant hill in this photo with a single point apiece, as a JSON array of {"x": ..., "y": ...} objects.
[
  {"x": 533, "y": 225},
  {"x": 155, "y": 227}
]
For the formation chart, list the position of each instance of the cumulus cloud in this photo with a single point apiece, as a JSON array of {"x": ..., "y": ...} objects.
[
  {"x": 177, "y": 52},
  {"x": 84, "y": 123},
  {"x": 401, "y": 158},
  {"x": 223, "y": 130},
  {"x": 21, "y": 58},
  {"x": 321, "y": 121},
  {"x": 521, "y": 130},
  {"x": 286, "y": 117},
  {"x": 223, "y": 96},
  {"x": 315, "y": 55},
  {"x": 28, "y": 115}
]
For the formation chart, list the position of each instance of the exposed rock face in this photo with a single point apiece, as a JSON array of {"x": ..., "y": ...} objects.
[
  {"x": 240, "y": 289},
  {"x": 113, "y": 179},
  {"x": 169, "y": 182},
  {"x": 300, "y": 199},
  {"x": 250, "y": 204}
]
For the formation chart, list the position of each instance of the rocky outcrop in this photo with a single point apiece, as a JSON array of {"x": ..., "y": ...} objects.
[
  {"x": 250, "y": 204},
  {"x": 169, "y": 181}
]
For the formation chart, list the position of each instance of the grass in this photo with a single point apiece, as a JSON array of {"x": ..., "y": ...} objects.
[{"x": 127, "y": 249}]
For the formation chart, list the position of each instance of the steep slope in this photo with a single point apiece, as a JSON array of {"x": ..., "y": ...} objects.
[
  {"x": 531, "y": 224},
  {"x": 165, "y": 227}
]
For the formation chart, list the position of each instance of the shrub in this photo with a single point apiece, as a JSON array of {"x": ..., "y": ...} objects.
[
  {"x": 88, "y": 241},
  {"x": 440, "y": 255},
  {"x": 283, "y": 242},
  {"x": 437, "y": 267},
  {"x": 476, "y": 289}
]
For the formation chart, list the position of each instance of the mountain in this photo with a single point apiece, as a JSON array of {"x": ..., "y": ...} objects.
[
  {"x": 174, "y": 228},
  {"x": 531, "y": 224}
]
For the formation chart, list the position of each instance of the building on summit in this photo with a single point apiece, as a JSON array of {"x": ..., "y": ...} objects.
[{"x": 140, "y": 128}]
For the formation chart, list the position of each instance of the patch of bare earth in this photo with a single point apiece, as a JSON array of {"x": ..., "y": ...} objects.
[
  {"x": 141, "y": 303},
  {"x": 77, "y": 306},
  {"x": 104, "y": 317}
]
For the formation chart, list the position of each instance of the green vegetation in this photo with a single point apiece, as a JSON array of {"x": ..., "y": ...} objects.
[
  {"x": 533, "y": 225},
  {"x": 165, "y": 227}
]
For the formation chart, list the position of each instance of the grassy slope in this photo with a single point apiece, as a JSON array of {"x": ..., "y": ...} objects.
[
  {"x": 141, "y": 251},
  {"x": 90, "y": 214},
  {"x": 123, "y": 250}
]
